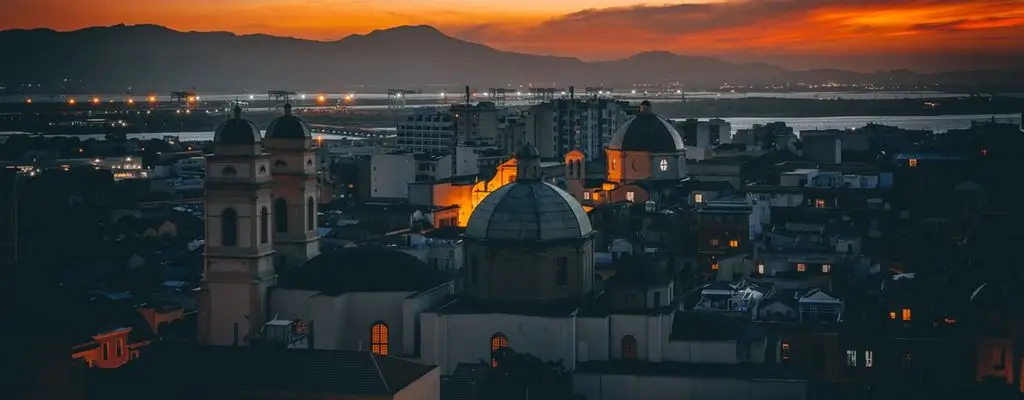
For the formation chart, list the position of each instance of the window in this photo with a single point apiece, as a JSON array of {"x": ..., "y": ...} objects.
[
  {"x": 785, "y": 352},
  {"x": 630, "y": 197},
  {"x": 734, "y": 243},
  {"x": 310, "y": 214},
  {"x": 229, "y": 171},
  {"x": 698, "y": 198},
  {"x": 106, "y": 351},
  {"x": 801, "y": 267},
  {"x": 851, "y": 358},
  {"x": 819, "y": 203},
  {"x": 279, "y": 163},
  {"x": 912, "y": 163},
  {"x": 714, "y": 265},
  {"x": 714, "y": 242},
  {"x": 281, "y": 215},
  {"x": 379, "y": 339},
  {"x": 614, "y": 163},
  {"x": 657, "y": 299},
  {"x": 760, "y": 269},
  {"x": 826, "y": 268},
  {"x": 869, "y": 358},
  {"x": 1000, "y": 359},
  {"x": 906, "y": 314},
  {"x": 906, "y": 361},
  {"x": 264, "y": 225},
  {"x": 229, "y": 228},
  {"x": 498, "y": 342},
  {"x": 663, "y": 165},
  {"x": 892, "y": 315},
  {"x": 586, "y": 195},
  {"x": 263, "y": 170},
  {"x": 119, "y": 349},
  {"x": 629, "y": 347},
  {"x": 562, "y": 272}
]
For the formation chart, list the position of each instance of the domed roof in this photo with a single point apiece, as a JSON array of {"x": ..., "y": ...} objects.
[
  {"x": 288, "y": 126},
  {"x": 237, "y": 131},
  {"x": 647, "y": 132},
  {"x": 528, "y": 211}
]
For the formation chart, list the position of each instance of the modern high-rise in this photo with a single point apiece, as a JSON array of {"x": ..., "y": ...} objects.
[{"x": 562, "y": 125}]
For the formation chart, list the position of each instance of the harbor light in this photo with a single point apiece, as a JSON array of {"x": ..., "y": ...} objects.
[
  {"x": 152, "y": 99},
  {"x": 321, "y": 98},
  {"x": 71, "y": 101},
  {"x": 95, "y": 100},
  {"x": 131, "y": 101}
]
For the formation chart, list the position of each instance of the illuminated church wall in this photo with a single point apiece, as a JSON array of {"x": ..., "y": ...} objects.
[{"x": 467, "y": 196}]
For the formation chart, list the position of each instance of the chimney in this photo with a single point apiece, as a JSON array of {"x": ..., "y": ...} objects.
[{"x": 469, "y": 98}]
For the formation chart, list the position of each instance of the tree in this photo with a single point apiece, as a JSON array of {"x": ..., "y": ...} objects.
[{"x": 522, "y": 376}]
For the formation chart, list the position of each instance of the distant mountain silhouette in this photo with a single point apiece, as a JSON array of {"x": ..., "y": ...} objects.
[{"x": 155, "y": 58}]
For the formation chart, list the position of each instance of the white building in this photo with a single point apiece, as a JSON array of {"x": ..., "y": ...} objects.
[{"x": 391, "y": 173}]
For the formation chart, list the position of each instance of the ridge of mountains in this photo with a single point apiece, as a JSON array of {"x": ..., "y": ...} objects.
[{"x": 156, "y": 58}]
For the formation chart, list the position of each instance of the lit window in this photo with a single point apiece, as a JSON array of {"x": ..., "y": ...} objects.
[
  {"x": 498, "y": 341},
  {"x": 819, "y": 203},
  {"x": 906, "y": 314},
  {"x": 714, "y": 266},
  {"x": 760, "y": 268},
  {"x": 597, "y": 196},
  {"x": 892, "y": 315},
  {"x": 586, "y": 195},
  {"x": 698, "y": 198},
  {"x": 949, "y": 321},
  {"x": 379, "y": 339},
  {"x": 663, "y": 164},
  {"x": 630, "y": 197},
  {"x": 912, "y": 162},
  {"x": 734, "y": 243},
  {"x": 785, "y": 351},
  {"x": 614, "y": 163},
  {"x": 984, "y": 151},
  {"x": 714, "y": 242},
  {"x": 869, "y": 357},
  {"x": 851, "y": 358},
  {"x": 801, "y": 267},
  {"x": 826, "y": 268}
]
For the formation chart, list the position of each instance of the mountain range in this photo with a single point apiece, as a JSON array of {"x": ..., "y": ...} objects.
[{"x": 155, "y": 58}]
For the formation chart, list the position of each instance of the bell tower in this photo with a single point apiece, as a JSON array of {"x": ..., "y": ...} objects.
[
  {"x": 239, "y": 239},
  {"x": 296, "y": 189}
]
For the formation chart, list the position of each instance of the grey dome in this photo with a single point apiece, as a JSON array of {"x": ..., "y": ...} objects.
[
  {"x": 647, "y": 132},
  {"x": 288, "y": 126},
  {"x": 237, "y": 131},
  {"x": 528, "y": 211}
]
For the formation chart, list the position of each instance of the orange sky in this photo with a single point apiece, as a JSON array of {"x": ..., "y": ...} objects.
[{"x": 590, "y": 29}]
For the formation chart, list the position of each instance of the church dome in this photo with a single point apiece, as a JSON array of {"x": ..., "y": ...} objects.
[
  {"x": 646, "y": 132},
  {"x": 237, "y": 131},
  {"x": 288, "y": 126},
  {"x": 533, "y": 211}
]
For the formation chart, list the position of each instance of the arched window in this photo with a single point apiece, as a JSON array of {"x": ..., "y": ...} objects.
[
  {"x": 263, "y": 170},
  {"x": 498, "y": 341},
  {"x": 281, "y": 215},
  {"x": 628, "y": 347},
  {"x": 280, "y": 163},
  {"x": 229, "y": 228},
  {"x": 663, "y": 164},
  {"x": 572, "y": 168},
  {"x": 264, "y": 225},
  {"x": 310, "y": 214},
  {"x": 379, "y": 343},
  {"x": 229, "y": 171},
  {"x": 579, "y": 168}
]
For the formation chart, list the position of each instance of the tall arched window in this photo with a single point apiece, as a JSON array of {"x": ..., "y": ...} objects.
[
  {"x": 310, "y": 214},
  {"x": 229, "y": 171},
  {"x": 229, "y": 227},
  {"x": 379, "y": 343},
  {"x": 264, "y": 225},
  {"x": 281, "y": 215},
  {"x": 498, "y": 341},
  {"x": 629, "y": 347}
]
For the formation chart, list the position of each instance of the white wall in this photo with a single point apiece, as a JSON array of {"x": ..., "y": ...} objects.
[{"x": 390, "y": 175}]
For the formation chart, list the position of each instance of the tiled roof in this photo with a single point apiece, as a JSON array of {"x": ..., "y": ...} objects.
[{"x": 246, "y": 371}]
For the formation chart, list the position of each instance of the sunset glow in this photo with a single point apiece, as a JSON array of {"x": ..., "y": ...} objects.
[{"x": 590, "y": 29}]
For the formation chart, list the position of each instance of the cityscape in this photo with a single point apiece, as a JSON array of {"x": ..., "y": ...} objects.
[{"x": 512, "y": 201}]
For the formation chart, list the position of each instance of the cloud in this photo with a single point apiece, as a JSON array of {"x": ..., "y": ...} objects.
[{"x": 766, "y": 26}]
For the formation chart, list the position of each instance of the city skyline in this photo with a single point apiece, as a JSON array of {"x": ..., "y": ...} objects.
[{"x": 594, "y": 29}]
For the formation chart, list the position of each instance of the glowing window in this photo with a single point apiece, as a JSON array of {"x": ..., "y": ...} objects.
[
  {"x": 714, "y": 266},
  {"x": 630, "y": 197},
  {"x": 801, "y": 267},
  {"x": 734, "y": 243},
  {"x": 912, "y": 162},
  {"x": 851, "y": 358},
  {"x": 819, "y": 203},
  {"x": 906, "y": 314},
  {"x": 714, "y": 242},
  {"x": 785, "y": 351},
  {"x": 760, "y": 269},
  {"x": 892, "y": 315},
  {"x": 379, "y": 343},
  {"x": 869, "y": 358},
  {"x": 586, "y": 195},
  {"x": 698, "y": 198},
  {"x": 498, "y": 341},
  {"x": 826, "y": 268},
  {"x": 614, "y": 163},
  {"x": 663, "y": 165},
  {"x": 629, "y": 347}
]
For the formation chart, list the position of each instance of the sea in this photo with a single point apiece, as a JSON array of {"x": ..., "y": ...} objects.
[{"x": 936, "y": 123}]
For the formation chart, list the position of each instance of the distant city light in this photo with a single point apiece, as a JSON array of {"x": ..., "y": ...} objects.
[
  {"x": 131, "y": 101},
  {"x": 251, "y": 97},
  {"x": 95, "y": 100},
  {"x": 71, "y": 101},
  {"x": 303, "y": 97},
  {"x": 321, "y": 98},
  {"x": 152, "y": 99},
  {"x": 29, "y": 101}
]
